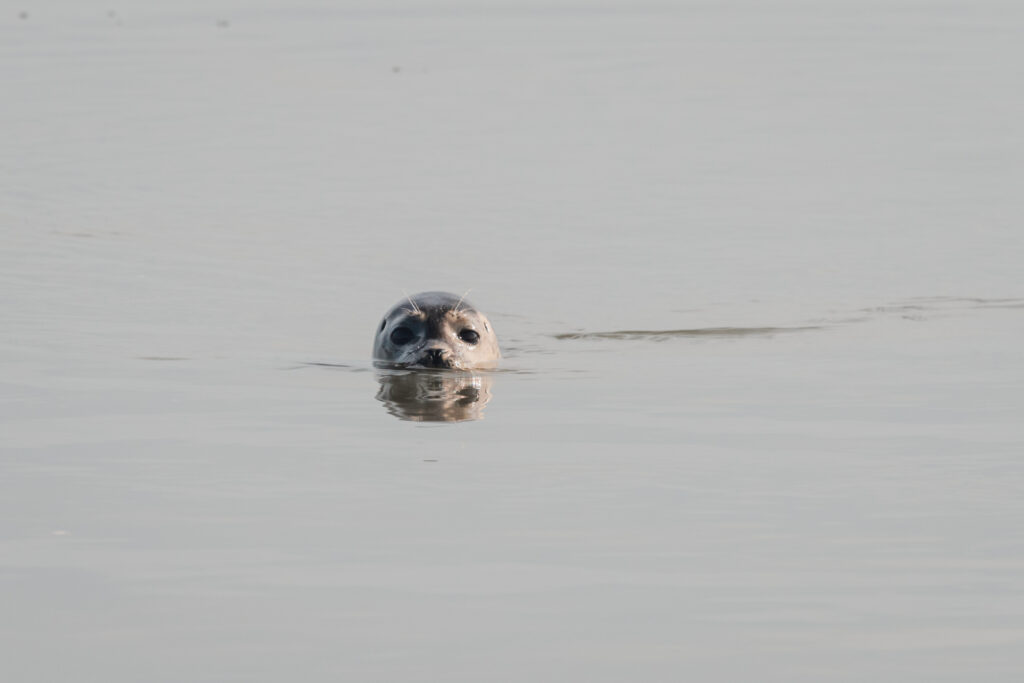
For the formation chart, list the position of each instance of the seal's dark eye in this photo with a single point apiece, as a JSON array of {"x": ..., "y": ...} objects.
[
  {"x": 469, "y": 336},
  {"x": 402, "y": 335}
]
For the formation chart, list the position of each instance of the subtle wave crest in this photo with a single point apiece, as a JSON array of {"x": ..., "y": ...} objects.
[{"x": 660, "y": 335}]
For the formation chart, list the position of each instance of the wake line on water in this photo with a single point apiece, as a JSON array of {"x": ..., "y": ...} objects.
[
  {"x": 921, "y": 307},
  {"x": 658, "y": 335}
]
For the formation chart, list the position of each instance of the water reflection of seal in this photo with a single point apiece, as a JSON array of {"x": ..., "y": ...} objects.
[
  {"x": 436, "y": 330},
  {"x": 434, "y": 396}
]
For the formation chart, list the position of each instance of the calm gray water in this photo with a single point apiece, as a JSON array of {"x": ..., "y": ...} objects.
[{"x": 755, "y": 268}]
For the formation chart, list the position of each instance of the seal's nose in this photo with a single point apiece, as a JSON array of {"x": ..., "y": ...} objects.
[{"x": 435, "y": 358}]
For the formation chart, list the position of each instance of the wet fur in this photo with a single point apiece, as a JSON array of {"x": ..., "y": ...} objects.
[{"x": 436, "y": 320}]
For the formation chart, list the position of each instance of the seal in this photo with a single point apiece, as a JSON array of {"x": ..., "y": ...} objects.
[{"x": 436, "y": 330}]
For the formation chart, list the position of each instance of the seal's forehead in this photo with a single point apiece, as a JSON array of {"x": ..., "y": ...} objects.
[
  {"x": 438, "y": 313},
  {"x": 431, "y": 304}
]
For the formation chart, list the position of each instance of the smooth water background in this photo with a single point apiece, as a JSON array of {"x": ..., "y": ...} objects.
[{"x": 201, "y": 200}]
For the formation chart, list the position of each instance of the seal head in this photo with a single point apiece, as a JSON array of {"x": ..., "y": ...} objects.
[{"x": 436, "y": 330}]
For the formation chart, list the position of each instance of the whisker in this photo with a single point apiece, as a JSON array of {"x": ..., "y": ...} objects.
[
  {"x": 415, "y": 308},
  {"x": 461, "y": 299}
]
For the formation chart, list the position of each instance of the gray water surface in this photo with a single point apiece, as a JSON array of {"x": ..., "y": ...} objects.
[{"x": 756, "y": 272}]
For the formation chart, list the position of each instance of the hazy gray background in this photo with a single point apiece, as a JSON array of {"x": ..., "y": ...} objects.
[{"x": 200, "y": 198}]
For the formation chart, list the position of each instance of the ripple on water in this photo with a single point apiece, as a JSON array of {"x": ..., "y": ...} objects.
[{"x": 661, "y": 335}]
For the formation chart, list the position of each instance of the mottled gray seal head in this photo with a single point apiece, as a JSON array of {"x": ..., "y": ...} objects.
[{"x": 436, "y": 330}]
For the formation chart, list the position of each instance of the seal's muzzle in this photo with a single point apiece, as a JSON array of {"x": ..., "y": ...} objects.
[{"x": 436, "y": 358}]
